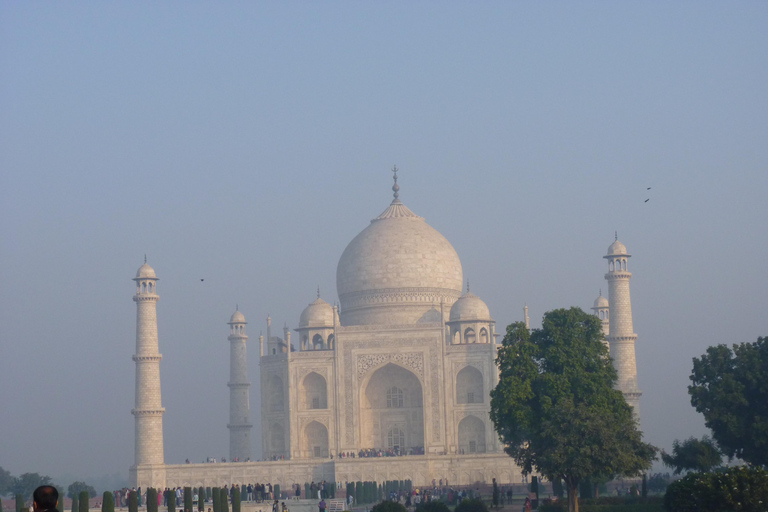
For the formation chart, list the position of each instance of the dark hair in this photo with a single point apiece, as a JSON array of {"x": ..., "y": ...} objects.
[{"x": 46, "y": 497}]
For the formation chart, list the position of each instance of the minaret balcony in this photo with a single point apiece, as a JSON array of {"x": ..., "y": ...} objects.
[
  {"x": 148, "y": 412},
  {"x": 155, "y": 358}
]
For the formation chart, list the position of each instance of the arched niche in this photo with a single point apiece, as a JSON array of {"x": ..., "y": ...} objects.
[
  {"x": 469, "y": 386},
  {"x": 316, "y": 440},
  {"x": 471, "y": 435},
  {"x": 392, "y": 398},
  {"x": 315, "y": 391},
  {"x": 469, "y": 335}
]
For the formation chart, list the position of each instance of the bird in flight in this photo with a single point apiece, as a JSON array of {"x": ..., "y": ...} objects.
[
  {"x": 202, "y": 280},
  {"x": 643, "y": 201}
]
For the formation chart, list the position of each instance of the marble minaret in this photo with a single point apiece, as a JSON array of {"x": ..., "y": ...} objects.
[
  {"x": 149, "y": 468},
  {"x": 239, "y": 403},
  {"x": 621, "y": 334},
  {"x": 602, "y": 311}
]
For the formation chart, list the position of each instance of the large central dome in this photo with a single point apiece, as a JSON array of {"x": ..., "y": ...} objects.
[{"x": 396, "y": 270}]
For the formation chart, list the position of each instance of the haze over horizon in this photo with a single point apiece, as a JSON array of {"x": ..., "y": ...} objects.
[{"x": 242, "y": 146}]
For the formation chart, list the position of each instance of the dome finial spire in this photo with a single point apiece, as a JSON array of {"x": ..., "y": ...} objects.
[
  {"x": 145, "y": 257},
  {"x": 318, "y": 291},
  {"x": 237, "y": 307},
  {"x": 395, "y": 187},
  {"x": 467, "y": 285},
  {"x": 615, "y": 235}
]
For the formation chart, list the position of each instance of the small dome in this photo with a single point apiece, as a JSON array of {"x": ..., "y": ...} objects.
[
  {"x": 145, "y": 272},
  {"x": 600, "y": 302},
  {"x": 237, "y": 318},
  {"x": 317, "y": 314},
  {"x": 617, "y": 248},
  {"x": 470, "y": 307}
]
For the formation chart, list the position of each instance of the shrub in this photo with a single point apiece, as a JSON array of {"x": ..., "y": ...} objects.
[
  {"x": 388, "y": 506},
  {"x": 612, "y": 504},
  {"x": 107, "y": 502},
  {"x": 236, "y": 499},
  {"x": 473, "y": 505},
  {"x": 133, "y": 502},
  {"x": 224, "y": 500},
  {"x": 20, "y": 507},
  {"x": 739, "y": 488},
  {"x": 171, "y": 501},
  {"x": 188, "y": 499},
  {"x": 432, "y": 506},
  {"x": 200, "y": 499},
  {"x": 151, "y": 499}
]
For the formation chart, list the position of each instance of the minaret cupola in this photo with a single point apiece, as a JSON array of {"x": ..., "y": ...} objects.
[{"x": 470, "y": 321}]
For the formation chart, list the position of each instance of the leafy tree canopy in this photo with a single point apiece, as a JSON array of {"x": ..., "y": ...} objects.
[
  {"x": 730, "y": 388},
  {"x": 556, "y": 408},
  {"x": 27, "y": 483},
  {"x": 77, "y": 487},
  {"x": 693, "y": 455}
]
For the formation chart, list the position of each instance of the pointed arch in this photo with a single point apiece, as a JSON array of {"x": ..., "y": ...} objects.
[
  {"x": 316, "y": 440},
  {"x": 471, "y": 435},
  {"x": 469, "y": 386},
  {"x": 315, "y": 391}
]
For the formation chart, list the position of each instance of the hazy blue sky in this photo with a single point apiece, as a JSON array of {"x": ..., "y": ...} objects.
[{"x": 247, "y": 143}]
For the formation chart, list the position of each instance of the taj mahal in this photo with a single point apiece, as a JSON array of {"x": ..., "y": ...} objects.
[{"x": 400, "y": 369}]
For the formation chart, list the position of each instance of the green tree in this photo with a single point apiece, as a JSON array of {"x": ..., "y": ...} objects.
[
  {"x": 236, "y": 499},
  {"x": 739, "y": 488},
  {"x": 133, "y": 501},
  {"x": 75, "y": 505},
  {"x": 83, "y": 501},
  {"x": 172, "y": 501},
  {"x": 77, "y": 487},
  {"x": 108, "y": 502},
  {"x": 187, "y": 499},
  {"x": 728, "y": 388},
  {"x": 224, "y": 500},
  {"x": 21, "y": 506},
  {"x": 152, "y": 500},
  {"x": 556, "y": 408},
  {"x": 693, "y": 455},
  {"x": 27, "y": 483}
]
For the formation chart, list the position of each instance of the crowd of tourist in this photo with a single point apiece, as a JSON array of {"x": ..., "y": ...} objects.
[{"x": 382, "y": 452}]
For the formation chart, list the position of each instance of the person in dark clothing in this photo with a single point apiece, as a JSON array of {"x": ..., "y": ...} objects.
[{"x": 45, "y": 498}]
